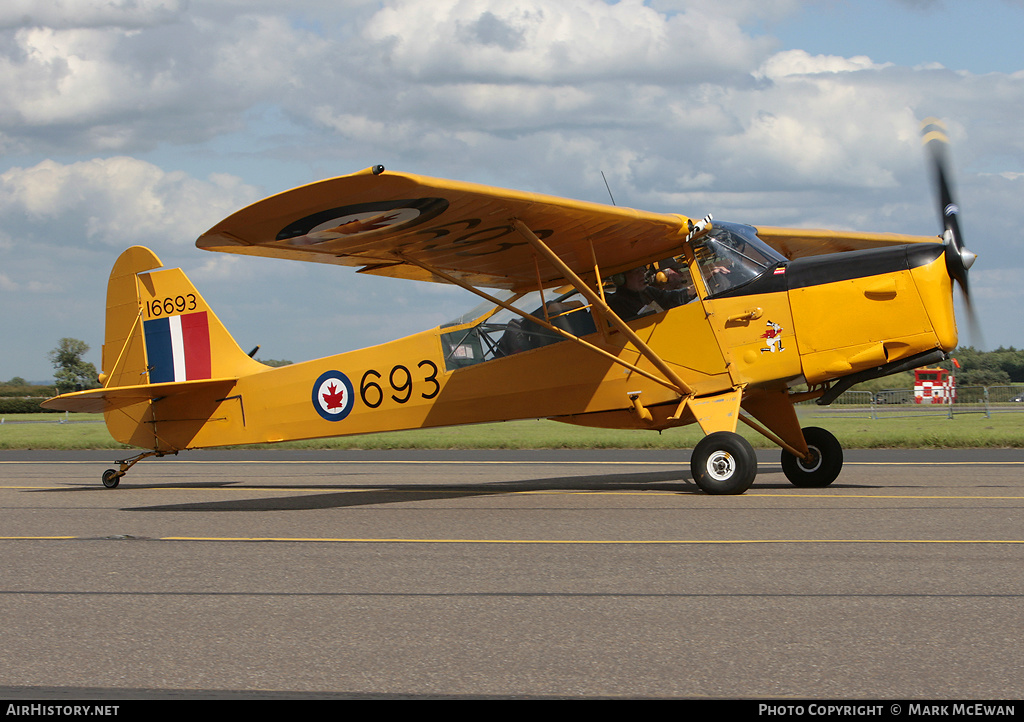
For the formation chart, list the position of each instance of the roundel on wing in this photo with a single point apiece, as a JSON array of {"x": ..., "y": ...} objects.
[
  {"x": 361, "y": 219},
  {"x": 333, "y": 396}
]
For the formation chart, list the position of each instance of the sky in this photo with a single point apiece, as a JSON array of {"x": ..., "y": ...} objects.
[{"x": 127, "y": 122}]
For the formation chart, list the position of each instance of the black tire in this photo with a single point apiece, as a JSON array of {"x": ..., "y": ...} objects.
[
  {"x": 824, "y": 465},
  {"x": 723, "y": 463},
  {"x": 111, "y": 478}
]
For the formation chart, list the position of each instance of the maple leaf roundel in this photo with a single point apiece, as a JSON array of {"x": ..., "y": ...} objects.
[
  {"x": 361, "y": 219},
  {"x": 333, "y": 396}
]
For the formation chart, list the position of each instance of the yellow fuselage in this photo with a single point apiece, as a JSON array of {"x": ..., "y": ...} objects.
[{"x": 800, "y": 326}]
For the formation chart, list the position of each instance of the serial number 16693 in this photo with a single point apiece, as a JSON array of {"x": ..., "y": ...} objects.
[{"x": 170, "y": 305}]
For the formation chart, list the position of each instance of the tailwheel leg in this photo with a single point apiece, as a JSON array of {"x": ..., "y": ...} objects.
[{"x": 112, "y": 477}]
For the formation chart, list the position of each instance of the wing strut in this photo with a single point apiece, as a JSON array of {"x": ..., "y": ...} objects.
[
  {"x": 598, "y": 301},
  {"x": 550, "y": 327}
]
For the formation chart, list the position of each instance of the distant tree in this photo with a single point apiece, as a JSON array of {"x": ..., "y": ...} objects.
[
  {"x": 17, "y": 381},
  {"x": 1004, "y": 365},
  {"x": 71, "y": 371},
  {"x": 983, "y": 377},
  {"x": 274, "y": 362}
]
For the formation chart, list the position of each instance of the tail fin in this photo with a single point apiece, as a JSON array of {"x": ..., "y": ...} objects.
[
  {"x": 169, "y": 365},
  {"x": 161, "y": 330}
]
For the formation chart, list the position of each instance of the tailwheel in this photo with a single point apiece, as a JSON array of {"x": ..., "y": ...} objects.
[
  {"x": 823, "y": 464},
  {"x": 723, "y": 463},
  {"x": 111, "y": 478}
]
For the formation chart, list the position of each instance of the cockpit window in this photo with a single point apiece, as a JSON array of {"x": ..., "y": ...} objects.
[
  {"x": 490, "y": 332},
  {"x": 650, "y": 289},
  {"x": 731, "y": 255},
  {"x": 727, "y": 256}
]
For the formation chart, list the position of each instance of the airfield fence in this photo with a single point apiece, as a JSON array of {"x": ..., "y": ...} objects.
[{"x": 893, "y": 403}]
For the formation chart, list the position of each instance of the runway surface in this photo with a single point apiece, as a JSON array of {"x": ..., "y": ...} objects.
[{"x": 509, "y": 574}]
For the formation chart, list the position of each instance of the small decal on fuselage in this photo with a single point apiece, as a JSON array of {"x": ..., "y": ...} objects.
[
  {"x": 773, "y": 337},
  {"x": 333, "y": 396}
]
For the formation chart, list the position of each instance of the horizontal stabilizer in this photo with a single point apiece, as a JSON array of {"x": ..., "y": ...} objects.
[{"x": 96, "y": 401}]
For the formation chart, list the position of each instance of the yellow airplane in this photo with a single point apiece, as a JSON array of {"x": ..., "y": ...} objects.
[{"x": 595, "y": 315}]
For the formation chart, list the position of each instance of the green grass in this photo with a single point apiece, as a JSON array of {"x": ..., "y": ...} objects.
[{"x": 1005, "y": 430}]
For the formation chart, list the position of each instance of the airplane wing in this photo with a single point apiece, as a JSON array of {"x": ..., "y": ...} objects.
[
  {"x": 799, "y": 242},
  {"x": 380, "y": 221}
]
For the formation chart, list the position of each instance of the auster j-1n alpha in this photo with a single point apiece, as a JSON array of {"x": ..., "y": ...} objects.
[{"x": 595, "y": 315}]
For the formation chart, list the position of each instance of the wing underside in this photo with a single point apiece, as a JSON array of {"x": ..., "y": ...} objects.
[
  {"x": 407, "y": 226},
  {"x": 400, "y": 225}
]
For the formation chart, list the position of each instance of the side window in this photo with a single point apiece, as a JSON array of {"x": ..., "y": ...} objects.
[
  {"x": 497, "y": 333},
  {"x": 650, "y": 289}
]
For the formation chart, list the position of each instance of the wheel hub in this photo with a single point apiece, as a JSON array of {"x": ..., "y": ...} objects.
[
  {"x": 721, "y": 465},
  {"x": 813, "y": 461}
]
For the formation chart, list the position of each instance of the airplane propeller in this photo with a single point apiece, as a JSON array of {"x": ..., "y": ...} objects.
[{"x": 958, "y": 258}]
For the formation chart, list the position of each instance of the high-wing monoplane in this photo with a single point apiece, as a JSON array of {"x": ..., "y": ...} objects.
[{"x": 591, "y": 314}]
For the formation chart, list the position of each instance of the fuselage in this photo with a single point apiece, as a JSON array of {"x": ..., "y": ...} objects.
[{"x": 772, "y": 325}]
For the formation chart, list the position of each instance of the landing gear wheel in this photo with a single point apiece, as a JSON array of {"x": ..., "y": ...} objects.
[
  {"x": 823, "y": 465},
  {"x": 111, "y": 478},
  {"x": 723, "y": 463}
]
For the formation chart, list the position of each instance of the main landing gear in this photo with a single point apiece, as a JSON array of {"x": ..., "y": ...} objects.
[
  {"x": 823, "y": 464},
  {"x": 724, "y": 462}
]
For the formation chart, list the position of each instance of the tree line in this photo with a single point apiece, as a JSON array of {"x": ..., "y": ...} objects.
[{"x": 989, "y": 368}]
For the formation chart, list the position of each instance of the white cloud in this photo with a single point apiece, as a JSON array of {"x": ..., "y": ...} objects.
[
  {"x": 89, "y": 13},
  {"x": 545, "y": 42},
  {"x": 800, "y": 62},
  {"x": 115, "y": 200},
  {"x": 118, "y": 88}
]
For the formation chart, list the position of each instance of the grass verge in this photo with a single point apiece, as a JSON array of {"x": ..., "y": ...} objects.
[{"x": 1002, "y": 430}]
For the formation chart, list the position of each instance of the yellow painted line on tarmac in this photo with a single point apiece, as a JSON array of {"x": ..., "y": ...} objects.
[
  {"x": 840, "y": 495},
  {"x": 932, "y": 463},
  {"x": 599, "y": 541},
  {"x": 431, "y": 489},
  {"x": 837, "y": 493},
  {"x": 553, "y": 462},
  {"x": 608, "y": 542},
  {"x": 355, "y": 461}
]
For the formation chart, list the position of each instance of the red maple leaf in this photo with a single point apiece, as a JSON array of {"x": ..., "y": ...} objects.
[
  {"x": 373, "y": 223},
  {"x": 334, "y": 399}
]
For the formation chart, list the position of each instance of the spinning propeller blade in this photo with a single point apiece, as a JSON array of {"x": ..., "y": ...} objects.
[{"x": 958, "y": 258}]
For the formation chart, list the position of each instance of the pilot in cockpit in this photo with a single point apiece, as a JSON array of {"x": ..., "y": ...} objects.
[{"x": 635, "y": 297}]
